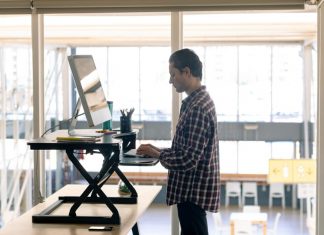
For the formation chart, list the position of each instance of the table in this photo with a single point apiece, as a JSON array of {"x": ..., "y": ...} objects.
[
  {"x": 109, "y": 148},
  {"x": 129, "y": 213},
  {"x": 255, "y": 218}
]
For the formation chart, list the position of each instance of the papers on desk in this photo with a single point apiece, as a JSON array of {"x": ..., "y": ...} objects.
[{"x": 76, "y": 139}]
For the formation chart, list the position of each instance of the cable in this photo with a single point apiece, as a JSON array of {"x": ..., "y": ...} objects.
[{"x": 51, "y": 128}]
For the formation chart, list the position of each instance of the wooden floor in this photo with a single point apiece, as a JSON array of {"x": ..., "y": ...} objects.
[{"x": 157, "y": 220}]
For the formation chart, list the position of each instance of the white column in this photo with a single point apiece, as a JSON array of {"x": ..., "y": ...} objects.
[
  {"x": 38, "y": 103},
  {"x": 320, "y": 122},
  {"x": 307, "y": 81},
  {"x": 176, "y": 44},
  {"x": 3, "y": 134},
  {"x": 308, "y": 74},
  {"x": 66, "y": 85},
  {"x": 66, "y": 92}
]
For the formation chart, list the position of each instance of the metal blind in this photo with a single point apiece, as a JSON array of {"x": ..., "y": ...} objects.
[
  {"x": 15, "y": 6},
  {"x": 87, "y": 6}
]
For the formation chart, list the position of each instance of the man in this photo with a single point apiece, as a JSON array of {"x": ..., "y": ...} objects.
[{"x": 193, "y": 160}]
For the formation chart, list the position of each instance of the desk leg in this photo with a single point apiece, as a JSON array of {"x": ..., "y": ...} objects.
[
  {"x": 135, "y": 229},
  {"x": 92, "y": 186},
  {"x": 265, "y": 228},
  {"x": 232, "y": 228}
]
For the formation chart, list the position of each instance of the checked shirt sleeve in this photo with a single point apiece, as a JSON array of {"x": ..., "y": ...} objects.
[{"x": 189, "y": 142}]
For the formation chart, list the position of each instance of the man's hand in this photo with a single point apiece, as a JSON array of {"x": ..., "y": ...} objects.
[{"x": 148, "y": 150}]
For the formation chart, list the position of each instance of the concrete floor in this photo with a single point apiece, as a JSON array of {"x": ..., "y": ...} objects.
[{"x": 157, "y": 220}]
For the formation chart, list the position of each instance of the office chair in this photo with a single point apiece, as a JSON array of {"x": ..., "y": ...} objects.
[
  {"x": 250, "y": 190},
  {"x": 233, "y": 189},
  {"x": 277, "y": 190}
]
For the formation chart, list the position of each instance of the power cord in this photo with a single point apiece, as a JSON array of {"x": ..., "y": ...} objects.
[{"x": 52, "y": 128}]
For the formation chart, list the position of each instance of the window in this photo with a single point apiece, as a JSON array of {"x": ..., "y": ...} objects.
[
  {"x": 247, "y": 79},
  {"x": 287, "y": 79},
  {"x": 132, "y": 60},
  {"x": 254, "y": 75},
  {"x": 250, "y": 79},
  {"x": 221, "y": 79},
  {"x": 16, "y": 110}
]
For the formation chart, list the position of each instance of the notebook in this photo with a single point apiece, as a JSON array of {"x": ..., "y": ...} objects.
[{"x": 132, "y": 153}]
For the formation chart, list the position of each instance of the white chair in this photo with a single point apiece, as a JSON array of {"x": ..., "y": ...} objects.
[
  {"x": 243, "y": 227},
  {"x": 219, "y": 225},
  {"x": 311, "y": 225},
  {"x": 274, "y": 228},
  {"x": 250, "y": 190},
  {"x": 312, "y": 211},
  {"x": 311, "y": 215},
  {"x": 233, "y": 189},
  {"x": 251, "y": 209},
  {"x": 277, "y": 190}
]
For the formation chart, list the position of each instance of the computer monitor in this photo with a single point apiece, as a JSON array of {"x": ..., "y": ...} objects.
[{"x": 90, "y": 91}]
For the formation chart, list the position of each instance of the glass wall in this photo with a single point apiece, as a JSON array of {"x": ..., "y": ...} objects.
[
  {"x": 130, "y": 75},
  {"x": 253, "y": 75},
  {"x": 54, "y": 61},
  {"x": 248, "y": 82},
  {"x": 251, "y": 81},
  {"x": 16, "y": 111},
  {"x": 132, "y": 59},
  {"x": 254, "y": 83}
]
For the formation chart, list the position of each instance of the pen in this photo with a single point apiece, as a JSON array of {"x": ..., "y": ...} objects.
[
  {"x": 130, "y": 113},
  {"x": 126, "y": 113},
  {"x": 122, "y": 112},
  {"x": 106, "y": 131}
]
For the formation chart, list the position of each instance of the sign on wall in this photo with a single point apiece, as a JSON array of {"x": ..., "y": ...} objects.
[{"x": 292, "y": 171}]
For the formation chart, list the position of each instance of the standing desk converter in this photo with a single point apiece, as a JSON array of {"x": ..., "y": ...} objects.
[{"x": 110, "y": 149}]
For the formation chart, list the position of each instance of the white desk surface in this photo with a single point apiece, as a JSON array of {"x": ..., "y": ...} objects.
[
  {"x": 251, "y": 216},
  {"x": 255, "y": 218},
  {"x": 129, "y": 213}
]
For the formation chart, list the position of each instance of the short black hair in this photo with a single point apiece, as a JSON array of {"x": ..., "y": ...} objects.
[{"x": 187, "y": 58}]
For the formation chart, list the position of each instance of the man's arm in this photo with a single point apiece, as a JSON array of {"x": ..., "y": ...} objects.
[{"x": 189, "y": 149}]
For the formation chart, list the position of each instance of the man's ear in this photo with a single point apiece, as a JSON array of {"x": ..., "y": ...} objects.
[{"x": 186, "y": 70}]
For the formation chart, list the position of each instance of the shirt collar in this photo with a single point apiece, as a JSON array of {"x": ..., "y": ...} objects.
[{"x": 188, "y": 99}]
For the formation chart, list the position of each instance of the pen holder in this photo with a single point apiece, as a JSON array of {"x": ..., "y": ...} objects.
[
  {"x": 107, "y": 125},
  {"x": 125, "y": 124}
]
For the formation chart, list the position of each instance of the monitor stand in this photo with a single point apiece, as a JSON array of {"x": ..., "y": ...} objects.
[{"x": 80, "y": 132}]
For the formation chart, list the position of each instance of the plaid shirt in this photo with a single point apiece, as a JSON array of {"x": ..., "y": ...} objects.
[{"x": 193, "y": 159}]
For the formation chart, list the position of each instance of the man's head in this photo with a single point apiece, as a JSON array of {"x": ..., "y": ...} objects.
[{"x": 185, "y": 70}]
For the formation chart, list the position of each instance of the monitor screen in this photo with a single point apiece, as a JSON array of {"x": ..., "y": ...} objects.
[{"x": 89, "y": 87}]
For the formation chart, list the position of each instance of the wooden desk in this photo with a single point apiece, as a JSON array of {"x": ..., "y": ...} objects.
[
  {"x": 255, "y": 218},
  {"x": 129, "y": 213},
  {"x": 109, "y": 148}
]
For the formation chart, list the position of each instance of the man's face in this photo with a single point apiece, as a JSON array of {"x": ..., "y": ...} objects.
[{"x": 177, "y": 78}]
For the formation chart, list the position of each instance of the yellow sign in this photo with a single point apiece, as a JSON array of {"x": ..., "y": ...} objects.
[
  {"x": 292, "y": 171},
  {"x": 280, "y": 171},
  {"x": 304, "y": 171}
]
